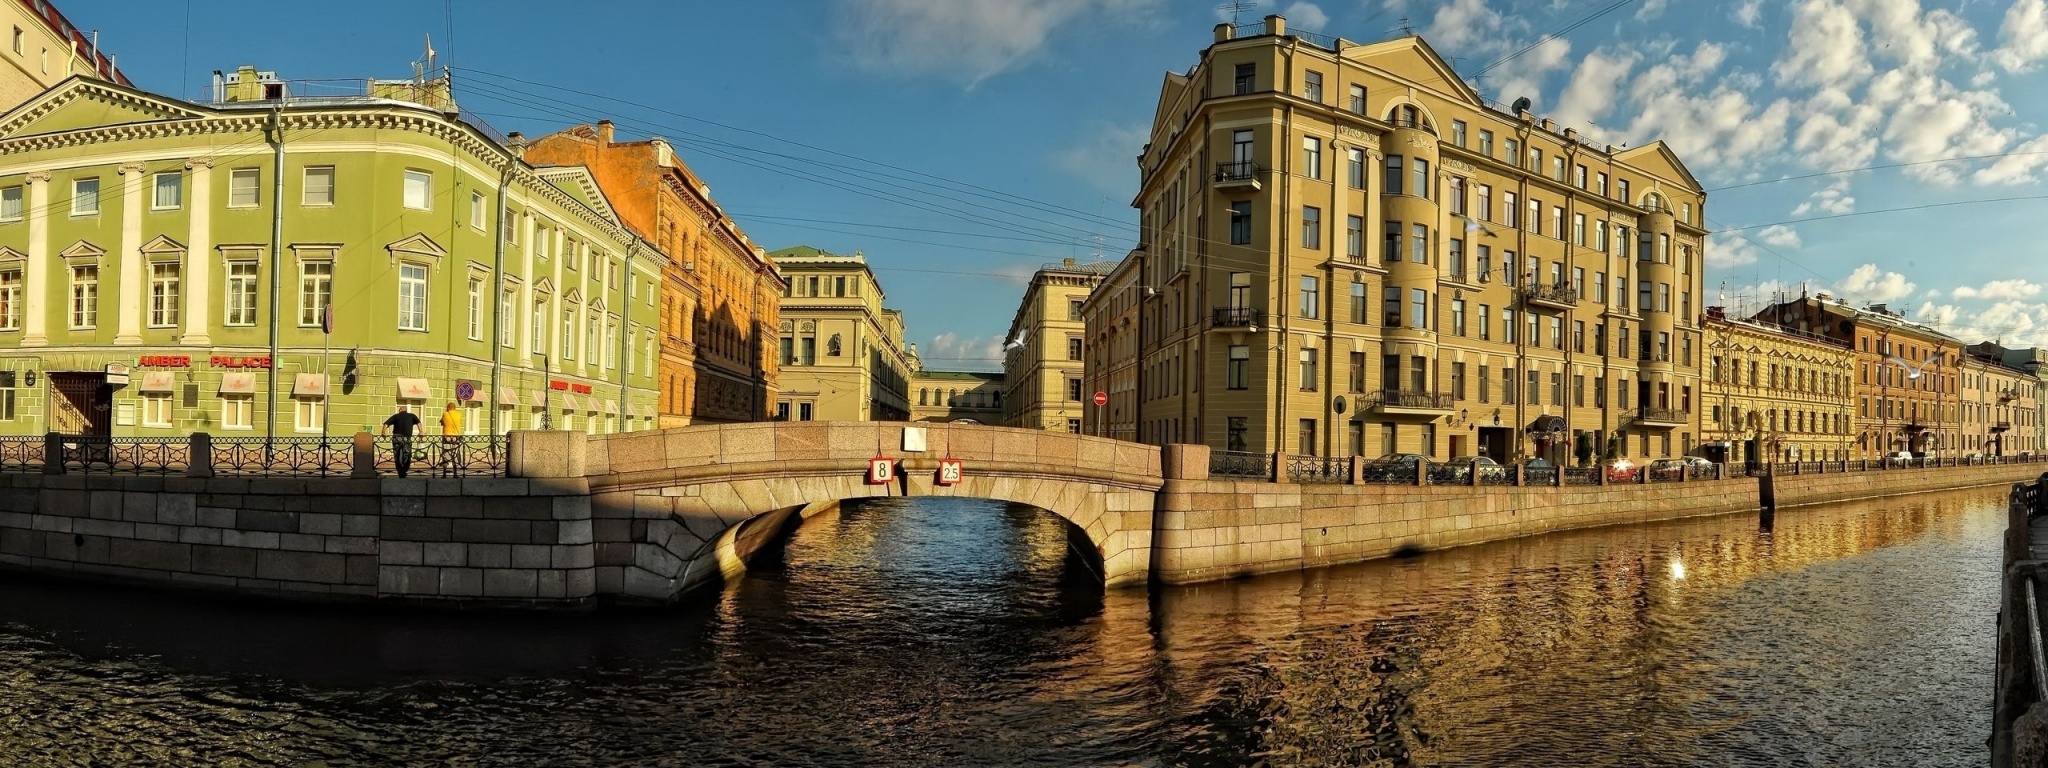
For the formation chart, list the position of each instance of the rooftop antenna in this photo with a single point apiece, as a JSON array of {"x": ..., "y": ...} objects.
[
  {"x": 1406, "y": 29},
  {"x": 1236, "y": 8}
]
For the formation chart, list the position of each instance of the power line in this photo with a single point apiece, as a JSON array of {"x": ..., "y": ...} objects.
[
  {"x": 1887, "y": 166},
  {"x": 1910, "y": 208}
]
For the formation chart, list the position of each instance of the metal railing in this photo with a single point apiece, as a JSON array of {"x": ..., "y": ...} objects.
[
  {"x": 1402, "y": 398},
  {"x": 95, "y": 454},
  {"x": 444, "y": 455},
  {"x": 21, "y": 453},
  {"x": 1386, "y": 472},
  {"x": 1562, "y": 293},
  {"x": 1664, "y": 415},
  {"x": 1539, "y": 475},
  {"x": 202, "y": 455},
  {"x": 1412, "y": 123},
  {"x": 1504, "y": 476},
  {"x": 1445, "y": 474},
  {"x": 1240, "y": 170},
  {"x": 1582, "y": 475},
  {"x": 291, "y": 456},
  {"x": 1241, "y": 464},
  {"x": 1704, "y": 471},
  {"x": 1319, "y": 469},
  {"x": 1235, "y": 317}
]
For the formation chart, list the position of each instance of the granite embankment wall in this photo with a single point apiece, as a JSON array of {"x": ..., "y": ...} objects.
[
  {"x": 1804, "y": 489},
  {"x": 500, "y": 540}
]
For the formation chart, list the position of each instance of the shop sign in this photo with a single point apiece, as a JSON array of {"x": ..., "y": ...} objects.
[
  {"x": 558, "y": 386},
  {"x": 117, "y": 373},
  {"x": 581, "y": 389},
  {"x": 163, "y": 361},
  {"x": 240, "y": 361}
]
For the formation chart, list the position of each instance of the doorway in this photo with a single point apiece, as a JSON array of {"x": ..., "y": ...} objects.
[
  {"x": 1497, "y": 443},
  {"x": 81, "y": 404}
]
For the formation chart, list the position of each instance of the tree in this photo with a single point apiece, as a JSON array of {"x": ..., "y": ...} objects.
[{"x": 1583, "y": 451}]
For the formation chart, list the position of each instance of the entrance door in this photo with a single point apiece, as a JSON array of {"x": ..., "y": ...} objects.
[
  {"x": 81, "y": 404},
  {"x": 1496, "y": 443},
  {"x": 1458, "y": 447}
]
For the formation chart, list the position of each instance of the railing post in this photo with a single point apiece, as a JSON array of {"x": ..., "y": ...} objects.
[
  {"x": 363, "y": 460},
  {"x": 1474, "y": 479},
  {"x": 1421, "y": 472},
  {"x": 1279, "y": 474},
  {"x": 1357, "y": 473},
  {"x": 1721, "y": 471},
  {"x": 199, "y": 455},
  {"x": 1557, "y": 476},
  {"x": 1520, "y": 478},
  {"x": 1643, "y": 475},
  {"x": 53, "y": 453}
]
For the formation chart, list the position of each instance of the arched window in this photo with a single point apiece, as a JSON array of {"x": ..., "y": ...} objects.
[{"x": 921, "y": 391}]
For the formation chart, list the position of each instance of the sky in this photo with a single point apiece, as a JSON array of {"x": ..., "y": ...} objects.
[{"x": 1880, "y": 150}]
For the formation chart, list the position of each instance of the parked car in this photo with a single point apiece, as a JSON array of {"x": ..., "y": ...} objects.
[
  {"x": 1898, "y": 458},
  {"x": 1391, "y": 467},
  {"x": 1489, "y": 470},
  {"x": 1664, "y": 470},
  {"x": 1619, "y": 470}
]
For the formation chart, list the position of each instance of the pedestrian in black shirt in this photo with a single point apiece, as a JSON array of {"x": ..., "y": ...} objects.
[{"x": 400, "y": 426}]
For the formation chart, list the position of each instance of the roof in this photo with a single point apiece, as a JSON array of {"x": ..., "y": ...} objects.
[{"x": 984, "y": 377}]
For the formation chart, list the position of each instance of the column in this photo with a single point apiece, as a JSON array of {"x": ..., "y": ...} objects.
[
  {"x": 36, "y": 313},
  {"x": 130, "y": 308},
  {"x": 198, "y": 245}
]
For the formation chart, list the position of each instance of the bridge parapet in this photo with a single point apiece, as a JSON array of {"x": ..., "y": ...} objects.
[{"x": 820, "y": 444}]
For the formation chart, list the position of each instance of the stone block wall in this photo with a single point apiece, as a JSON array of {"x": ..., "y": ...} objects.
[
  {"x": 477, "y": 539},
  {"x": 1804, "y": 489}
]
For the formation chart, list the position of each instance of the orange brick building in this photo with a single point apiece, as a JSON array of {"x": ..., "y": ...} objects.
[
  {"x": 720, "y": 296},
  {"x": 1906, "y": 373}
]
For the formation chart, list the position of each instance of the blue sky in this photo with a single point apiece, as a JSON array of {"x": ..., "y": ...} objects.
[{"x": 961, "y": 143}]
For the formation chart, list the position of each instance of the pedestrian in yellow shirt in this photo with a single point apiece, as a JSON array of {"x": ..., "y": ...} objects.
[{"x": 451, "y": 437}]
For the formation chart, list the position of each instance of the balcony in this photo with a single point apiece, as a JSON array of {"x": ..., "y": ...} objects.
[
  {"x": 1400, "y": 402},
  {"x": 1235, "y": 317},
  {"x": 2003, "y": 426},
  {"x": 1560, "y": 297},
  {"x": 1239, "y": 174},
  {"x": 2007, "y": 396},
  {"x": 1662, "y": 417}
]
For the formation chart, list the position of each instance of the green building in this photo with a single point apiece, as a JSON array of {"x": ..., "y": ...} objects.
[{"x": 169, "y": 267}]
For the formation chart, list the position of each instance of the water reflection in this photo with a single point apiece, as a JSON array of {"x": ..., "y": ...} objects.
[{"x": 951, "y": 632}]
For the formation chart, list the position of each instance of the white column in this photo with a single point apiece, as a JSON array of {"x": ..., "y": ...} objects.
[
  {"x": 37, "y": 312},
  {"x": 198, "y": 245},
  {"x": 130, "y": 307},
  {"x": 524, "y": 331}
]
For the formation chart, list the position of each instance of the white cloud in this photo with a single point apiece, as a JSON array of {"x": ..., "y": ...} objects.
[
  {"x": 1593, "y": 89},
  {"x": 1529, "y": 71},
  {"x": 2019, "y": 166},
  {"x": 1826, "y": 47},
  {"x": 1939, "y": 315},
  {"x": 1832, "y": 199},
  {"x": 2023, "y": 37},
  {"x": 1875, "y": 285},
  {"x": 1104, "y": 156},
  {"x": 1749, "y": 12},
  {"x": 2012, "y": 323},
  {"x": 1651, "y": 9},
  {"x": 1779, "y": 235},
  {"x": 2015, "y": 288},
  {"x": 1727, "y": 251},
  {"x": 928, "y": 38},
  {"x": 1462, "y": 23},
  {"x": 1707, "y": 120},
  {"x": 953, "y": 351},
  {"x": 1308, "y": 16}
]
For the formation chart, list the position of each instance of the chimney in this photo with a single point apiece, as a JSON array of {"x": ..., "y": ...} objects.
[
  {"x": 1717, "y": 313},
  {"x": 1069, "y": 261},
  {"x": 1276, "y": 25},
  {"x": 1549, "y": 126},
  {"x": 1571, "y": 134},
  {"x": 516, "y": 142},
  {"x": 1225, "y": 32},
  {"x": 604, "y": 132}
]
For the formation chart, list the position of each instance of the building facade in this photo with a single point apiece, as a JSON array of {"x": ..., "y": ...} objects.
[
  {"x": 841, "y": 353},
  {"x": 1110, "y": 315},
  {"x": 1042, "y": 354},
  {"x": 2000, "y": 404},
  {"x": 1907, "y": 373},
  {"x": 946, "y": 396},
  {"x": 1775, "y": 394},
  {"x": 44, "y": 48},
  {"x": 1344, "y": 250},
  {"x": 720, "y": 296},
  {"x": 152, "y": 249}
]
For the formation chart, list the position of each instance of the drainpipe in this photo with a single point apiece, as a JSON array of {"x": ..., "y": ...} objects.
[
  {"x": 276, "y": 244},
  {"x": 498, "y": 314},
  {"x": 1277, "y": 298},
  {"x": 625, "y": 335}
]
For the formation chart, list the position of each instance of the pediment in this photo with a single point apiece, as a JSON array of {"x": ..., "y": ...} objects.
[
  {"x": 1413, "y": 60},
  {"x": 575, "y": 296},
  {"x": 9, "y": 254},
  {"x": 417, "y": 244},
  {"x": 544, "y": 285},
  {"x": 83, "y": 250},
  {"x": 79, "y": 103},
  {"x": 1657, "y": 159},
  {"x": 160, "y": 244}
]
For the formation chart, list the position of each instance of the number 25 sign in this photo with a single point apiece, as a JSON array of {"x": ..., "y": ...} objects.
[
  {"x": 950, "y": 471},
  {"x": 881, "y": 471}
]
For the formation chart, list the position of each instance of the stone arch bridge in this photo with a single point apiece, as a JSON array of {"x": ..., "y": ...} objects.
[{"x": 676, "y": 509}]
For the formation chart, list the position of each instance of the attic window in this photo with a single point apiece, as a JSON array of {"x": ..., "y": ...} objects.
[{"x": 273, "y": 91}]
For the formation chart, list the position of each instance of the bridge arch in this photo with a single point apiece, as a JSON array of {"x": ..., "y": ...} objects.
[{"x": 678, "y": 509}]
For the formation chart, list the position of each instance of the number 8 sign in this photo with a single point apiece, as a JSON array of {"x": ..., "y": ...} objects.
[{"x": 881, "y": 471}]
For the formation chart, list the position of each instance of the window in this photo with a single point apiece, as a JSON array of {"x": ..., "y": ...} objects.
[
  {"x": 1663, "y": 297},
  {"x": 1623, "y": 185},
  {"x": 1456, "y": 193},
  {"x": 1311, "y": 227},
  {"x": 1507, "y": 325},
  {"x": 1457, "y": 258},
  {"x": 476, "y": 309},
  {"x": 316, "y": 290},
  {"x": 163, "y": 294},
  {"x": 1308, "y": 438},
  {"x": 243, "y": 189},
  {"x": 85, "y": 197},
  {"x": 1392, "y": 185},
  {"x": 1485, "y": 385},
  {"x": 1357, "y": 103},
  {"x": 477, "y": 216},
  {"x": 1245, "y": 76},
  {"x": 1579, "y": 229},
  {"x": 1390, "y": 245},
  {"x": 1418, "y": 308},
  {"x": 1074, "y": 310},
  {"x": 1483, "y": 266},
  {"x": 1312, "y": 157},
  {"x": 309, "y": 414},
  {"x": 85, "y": 296},
  {"x": 1390, "y": 307},
  {"x": 1458, "y": 132},
  {"x": 1485, "y": 322},
  {"x": 1237, "y": 375},
  {"x": 235, "y": 411},
  {"x": 537, "y": 331},
  {"x": 1579, "y": 176},
  {"x": 1535, "y": 160},
  {"x": 1354, "y": 238},
  {"x": 1361, "y": 311},
  {"x": 1422, "y": 187},
  {"x": 1557, "y": 332},
  {"x": 10, "y": 300},
  {"x": 419, "y": 190},
  {"x": 412, "y": 297},
  {"x": 18, "y": 37},
  {"x": 1073, "y": 347},
  {"x": 1512, "y": 152},
  {"x": 1240, "y": 222},
  {"x": 169, "y": 192},
  {"x": 156, "y": 409},
  {"x": 1418, "y": 244},
  {"x": 1356, "y": 167},
  {"x": 1508, "y": 209},
  {"x": 10, "y": 203},
  {"x": 1579, "y": 336},
  {"x": 1357, "y": 377},
  {"x": 1312, "y": 86},
  {"x": 1311, "y": 297},
  {"x": 1308, "y": 370},
  {"x": 1508, "y": 386},
  {"x": 506, "y": 302},
  {"x": 1458, "y": 380},
  {"x": 1458, "y": 316},
  {"x": 1601, "y": 180},
  {"x": 1557, "y": 167},
  {"x": 1557, "y": 221},
  {"x": 1074, "y": 390},
  {"x": 241, "y": 304},
  {"x": 1535, "y": 392}
]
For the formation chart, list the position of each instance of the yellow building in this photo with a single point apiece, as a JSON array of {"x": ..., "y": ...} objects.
[
  {"x": 1345, "y": 250},
  {"x": 944, "y": 396},
  {"x": 1776, "y": 393},
  {"x": 841, "y": 352},
  {"x": 1111, "y": 360},
  {"x": 1042, "y": 354},
  {"x": 1998, "y": 407},
  {"x": 43, "y": 48}
]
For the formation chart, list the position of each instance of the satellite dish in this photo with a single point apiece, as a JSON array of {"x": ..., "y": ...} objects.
[{"x": 1521, "y": 105}]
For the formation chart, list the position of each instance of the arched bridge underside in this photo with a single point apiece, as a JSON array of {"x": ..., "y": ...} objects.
[{"x": 677, "y": 509}]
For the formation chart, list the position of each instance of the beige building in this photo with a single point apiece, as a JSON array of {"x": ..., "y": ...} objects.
[
  {"x": 1345, "y": 250},
  {"x": 1042, "y": 355},
  {"x": 1999, "y": 406},
  {"x": 44, "y": 48},
  {"x": 1775, "y": 393},
  {"x": 1908, "y": 374},
  {"x": 841, "y": 353},
  {"x": 944, "y": 396}
]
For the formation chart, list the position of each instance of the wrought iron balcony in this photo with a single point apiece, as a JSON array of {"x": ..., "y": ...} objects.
[
  {"x": 1412, "y": 402},
  {"x": 1662, "y": 417},
  {"x": 2003, "y": 426},
  {"x": 1239, "y": 173},
  {"x": 2008, "y": 395},
  {"x": 1236, "y": 317},
  {"x": 1561, "y": 296}
]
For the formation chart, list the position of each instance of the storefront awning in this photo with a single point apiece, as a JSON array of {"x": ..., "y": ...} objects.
[
  {"x": 590, "y": 403},
  {"x": 611, "y": 407},
  {"x": 238, "y": 384},
  {"x": 508, "y": 396},
  {"x": 568, "y": 402},
  {"x": 309, "y": 385},
  {"x": 414, "y": 389},
  {"x": 158, "y": 381},
  {"x": 540, "y": 398}
]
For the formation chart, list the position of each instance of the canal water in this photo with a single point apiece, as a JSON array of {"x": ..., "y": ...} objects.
[{"x": 965, "y": 633}]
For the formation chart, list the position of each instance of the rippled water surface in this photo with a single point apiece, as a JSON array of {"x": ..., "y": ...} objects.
[{"x": 948, "y": 632}]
